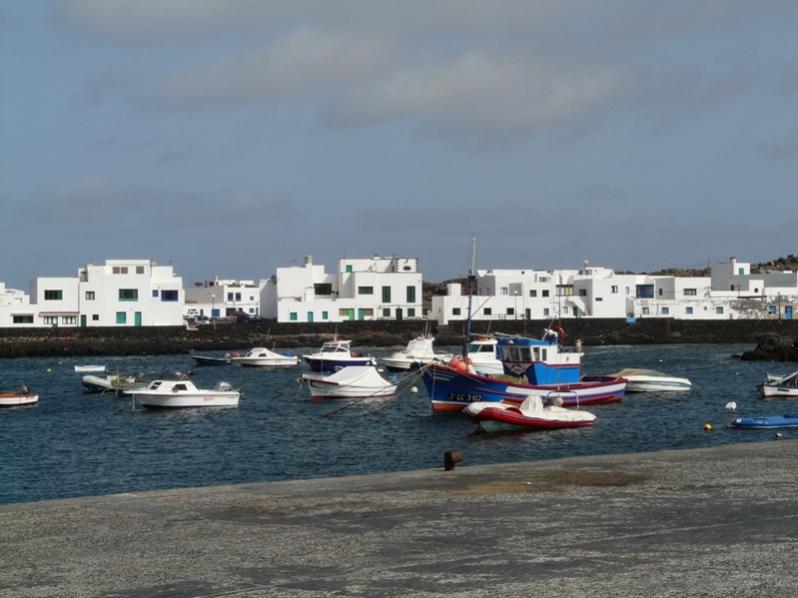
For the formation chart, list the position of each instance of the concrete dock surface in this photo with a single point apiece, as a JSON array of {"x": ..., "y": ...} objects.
[{"x": 707, "y": 522}]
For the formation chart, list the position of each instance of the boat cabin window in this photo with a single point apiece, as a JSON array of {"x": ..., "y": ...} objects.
[
  {"x": 544, "y": 354},
  {"x": 155, "y": 385},
  {"x": 486, "y": 349},
  {"x": 178, "y": 387},
  {"x": 536, "y": 353}
]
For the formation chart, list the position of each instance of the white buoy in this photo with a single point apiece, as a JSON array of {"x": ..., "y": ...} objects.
[
  {"x": 414, "y": 389},
  {"x": 731, "y": 405}
]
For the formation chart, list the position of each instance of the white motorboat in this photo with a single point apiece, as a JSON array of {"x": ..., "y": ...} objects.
[
  {"x": 418, "y": 352},
  {"x": 182, "y": 393},
  {"x": 204, "y": 360},
  {"x": 638, "y": 380},
  {"x": 483, "y": 357},
  {"x": 786, "y": 386},
  {"x": 89, "y": 368},
  {"x": 19, "y": 398},
  {"x": 265, "y": 358},
  {"x": 529, "y": 415},
  {"x": 353, "y": 382},
  {"x": 335, "y": 355}
]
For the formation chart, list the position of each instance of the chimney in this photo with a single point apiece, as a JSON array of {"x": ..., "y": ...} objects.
[{"x": 308, "y": 260}]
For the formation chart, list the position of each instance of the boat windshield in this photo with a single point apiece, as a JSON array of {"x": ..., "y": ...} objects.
[{"x": 481, "y": 348}]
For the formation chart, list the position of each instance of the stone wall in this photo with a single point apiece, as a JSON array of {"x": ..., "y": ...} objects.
[{"x": 151, "y": 341}]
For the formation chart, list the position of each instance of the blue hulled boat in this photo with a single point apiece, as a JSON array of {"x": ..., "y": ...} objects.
[{"x": 766, "y": 421}]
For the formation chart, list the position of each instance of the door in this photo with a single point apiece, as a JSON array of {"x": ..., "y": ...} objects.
[
  {"x": 528, "y": 314},
  {"x": 361, "y": 315},
  {"x": 138, "y": 318},
  {"x": 398, "y": 313},
  {"x": 788, "y": 312},
  {"x": 83, "y": 320},
  {"x": 310, "y": 316}
]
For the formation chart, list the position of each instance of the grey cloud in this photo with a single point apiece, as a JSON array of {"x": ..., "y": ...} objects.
[{"x": 305, "y": 60}]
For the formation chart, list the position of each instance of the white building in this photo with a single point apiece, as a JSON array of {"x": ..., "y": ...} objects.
[
  {"x": 223, "y": 298},
  {"x": 731, "y": 292},
  {"x": 117, "y": 293},
  {"x": 362, "y": 289},
  {"x": 15, "y": 308}
]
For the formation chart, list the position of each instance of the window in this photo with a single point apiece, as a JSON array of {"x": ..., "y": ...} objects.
[
  {"x": 128, "y": 294},
  {"x": 139, "y": 269},
  {"x": 325, "y": 315},
  {"x": 89, "y": 295},
  {"x": 322, "y": 288},
  {"x": 565, "y": 290},
  {"x": 660, "y": 292},
  {"x": 169, "y": 295},
  {"x": 487, "y": 311},
  {"x": 772, "y": 310},
  {"x": 386, "y": 312},
  {"x": 119, "y": 269},
  {"x": 599, "y": 299},
  {"x": 411, "y": 294},
  {"x": 348, "y": 267},
  {"x": 95, "y": 317},
  {"x": 455, "y": 311},
  {"x": 292, "y": 316},
  {"x": 545, "y": 310},
  {"x": 238, "y": 296},
  {"x": 69, "y": 320},
  {"x": 411, "y": 312},
  {"x": 741, "y": 271},
  {"x": 365, "y": 290},
  {"x": 645, "y": 291},
  {"x": 155, "y": 293},
  {"x": 50, "y": 320},
  {"x": 505, "y": 291},
  {"x": 614, "y": 289},
  {"x": 53, "y": 295},
  {"x": 583, "y": 292},
  {"x": 690, "y": 292},
  {"x": 544, "y": 293},
  {"x": 510, "y": 311},
  {"x": 688, "y": 310},
  {"x": 665, "y": 311},
  {"x": 386, "y": 294},
  {"x": 644, "y": 311},
  {"x": 719, "y": 310},
  {"x": 121, "y": 317},
  {"x": 533, "y": 293},
  {"x": 229, "y": 296},
  {"x": 23, "y": 319}
]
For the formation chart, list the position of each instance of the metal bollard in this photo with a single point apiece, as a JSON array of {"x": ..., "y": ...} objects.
[{"x": 450, "y": 458}]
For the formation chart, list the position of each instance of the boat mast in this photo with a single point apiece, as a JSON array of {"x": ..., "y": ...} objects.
[{"x": 472, "y": 279}]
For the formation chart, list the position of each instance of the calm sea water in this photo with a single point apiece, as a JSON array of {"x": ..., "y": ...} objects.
[{"x": 73, "y": 444}]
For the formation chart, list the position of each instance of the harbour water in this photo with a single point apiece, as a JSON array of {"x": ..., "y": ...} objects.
[{"x": 74, "y": 444}]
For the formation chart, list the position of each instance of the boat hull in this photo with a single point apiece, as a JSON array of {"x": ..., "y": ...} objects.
[
  {"x": 773, "y": 421},
  {"x": 205, "y": 360},
  {"x": 496, "y": 419},
  {"x": 318, "y": 364},
  {"x": 288, "y": 362},
  {"x": 164, "y": 401},
  {"x": 773, "y": 391},
  {"x": 18, "y": 399},
  {"x": 451, "y": 390},
  {"x": 654, "y": 385}
]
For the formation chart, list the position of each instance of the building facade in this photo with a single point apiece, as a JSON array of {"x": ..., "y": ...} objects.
[
  {"x": 220, "y": 298},
  {"x": 375, "y": 288}
]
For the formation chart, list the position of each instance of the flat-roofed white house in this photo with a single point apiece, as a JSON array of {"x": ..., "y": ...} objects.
[
  {"x": 374, "y": 288},
  {"x": 15, "y": 308},
  {"x": 116, "y": 293},
  {"x": 219, "y": 298}
]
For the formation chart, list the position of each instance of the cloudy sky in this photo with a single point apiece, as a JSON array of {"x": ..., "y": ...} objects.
[{"x": 231, "y": 137}]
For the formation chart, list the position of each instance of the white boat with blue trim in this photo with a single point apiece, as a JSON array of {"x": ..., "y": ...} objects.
[{"x": 334, "y": 355}]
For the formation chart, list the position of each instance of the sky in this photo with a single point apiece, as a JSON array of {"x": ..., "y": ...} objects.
[{"x": 232, "y": 137}]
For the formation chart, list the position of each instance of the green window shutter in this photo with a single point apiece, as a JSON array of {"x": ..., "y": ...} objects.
[
  {"x": 121, "y": 317},
  {"x": 411, "y": 294},
  {"x": 386, "y": 294}
]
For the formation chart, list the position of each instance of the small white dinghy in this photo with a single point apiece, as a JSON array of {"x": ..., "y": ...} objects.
[
  {"x": 638, "y": 380},
  {"x": 786, "y": 386},
  {"x": 89, "y": 368},
  {"x": 353, "y": 382},
  {"x": 265, "y": 358},
  {"x": 164, "y": 394},
  {"x": 18, "y": 399},
  {"x": 418, "y": 352}
]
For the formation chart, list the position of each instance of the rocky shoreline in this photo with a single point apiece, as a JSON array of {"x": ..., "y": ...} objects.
[{"x": 776, "y": 339}]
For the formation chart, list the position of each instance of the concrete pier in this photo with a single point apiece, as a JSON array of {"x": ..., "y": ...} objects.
[{"x": 710, "y": 522}]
